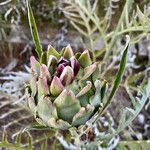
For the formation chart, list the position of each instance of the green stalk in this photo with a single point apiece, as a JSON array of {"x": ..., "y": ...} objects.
[{"x": 126, "y": 8}]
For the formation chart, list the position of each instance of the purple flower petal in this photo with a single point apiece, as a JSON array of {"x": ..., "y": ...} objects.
[
  {"x": 75, "y": 65},
  {"x": 59, "y": 70},
  {"x": 63, "y": 61},
  {"x": 67, "y": 76}
]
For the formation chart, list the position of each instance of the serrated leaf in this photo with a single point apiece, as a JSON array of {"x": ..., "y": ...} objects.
[{"x": 138, "y": 107}]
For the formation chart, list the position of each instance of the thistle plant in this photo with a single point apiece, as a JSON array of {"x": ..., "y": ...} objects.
[{"x": 66, "y": 90}]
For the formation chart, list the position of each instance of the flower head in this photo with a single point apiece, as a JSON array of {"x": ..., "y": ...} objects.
[{"x": 65, "y": 91}]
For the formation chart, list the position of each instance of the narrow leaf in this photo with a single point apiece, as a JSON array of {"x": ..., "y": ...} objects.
[
  {"x": 119, "y": 74},
  {"x": 18, "y": 139},
  {"x": 30, "y": 142},
  {"x": 5, "y": 136},
  {"x": 33, "y": 30},
  {"x": 44, "y": 145},
  {"x": 103, "y": 90},
  {"x": 118, "y": 78}
]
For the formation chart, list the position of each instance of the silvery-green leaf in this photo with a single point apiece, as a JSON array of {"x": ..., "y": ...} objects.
[
  {"x": 117, "y": 78},
  {"x": 88, "y": 71},
  {"x": 96, "y": 74},
  {"x": 43, "y": 88},
  {"x": 68, "y": 53},
  {"x": 35, "y": 66},
  {"x": 58, "y": 123},
  {"x": 33, "y": 84},
  {"x": 53, "y": 52},
  {"x": 84, "y": 59},
  {"x": 32, "y": 106},
  {"x": 45, "y": 108},
  {"x": 56, "y": 86},
  {"x": 85, "y": 89},
  {"x": 67, "y": 105},
  {"x": 96, "y": 98},
  {"x": 44, "y": 72},
  {"x": 119, "y": 74},
  {"x": 83, "y": 115}
]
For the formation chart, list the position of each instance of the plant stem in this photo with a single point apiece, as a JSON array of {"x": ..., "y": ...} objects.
[{"x": 126, "y": 8}]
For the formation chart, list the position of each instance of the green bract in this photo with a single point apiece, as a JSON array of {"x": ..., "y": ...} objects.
[{"x": 64, "y": 89}]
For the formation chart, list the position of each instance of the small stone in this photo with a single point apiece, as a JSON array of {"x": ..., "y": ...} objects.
[{"x": 141, "y": 118}]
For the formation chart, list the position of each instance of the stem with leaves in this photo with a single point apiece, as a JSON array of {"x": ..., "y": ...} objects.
[
  {"x": 118, "y": 78},
  {"x": 123, "y": 16}
]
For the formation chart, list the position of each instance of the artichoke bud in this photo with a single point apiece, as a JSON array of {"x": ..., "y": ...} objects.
[{"x": 64, "y": 91}]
